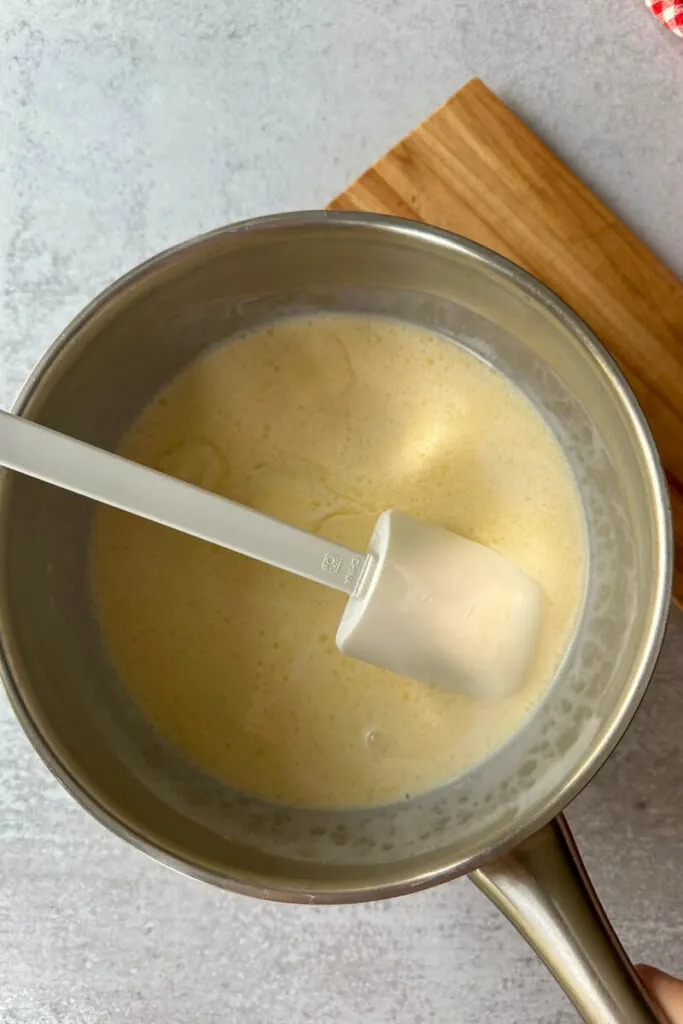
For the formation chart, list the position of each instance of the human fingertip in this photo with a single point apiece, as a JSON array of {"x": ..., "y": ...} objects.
[{"x": 665, "y": 989}]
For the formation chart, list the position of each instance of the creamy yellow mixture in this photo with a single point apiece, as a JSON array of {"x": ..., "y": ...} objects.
[{"x": 325, "y": 422}]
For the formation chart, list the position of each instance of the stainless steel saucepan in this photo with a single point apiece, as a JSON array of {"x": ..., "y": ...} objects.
[{"x": 499, "y": 822}]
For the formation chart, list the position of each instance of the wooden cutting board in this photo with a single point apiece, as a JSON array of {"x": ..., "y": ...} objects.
[{"x": 474, "y": 168}]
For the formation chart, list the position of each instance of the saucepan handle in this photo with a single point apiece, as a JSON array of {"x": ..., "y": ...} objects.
[{"x": 544, "y": 889}]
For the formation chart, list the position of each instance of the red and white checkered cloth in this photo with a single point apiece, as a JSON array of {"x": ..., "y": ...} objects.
[{"x": 669, "y": 12}]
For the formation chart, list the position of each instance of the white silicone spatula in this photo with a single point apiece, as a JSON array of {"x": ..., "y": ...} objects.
[{"x": 423, "y": 602}]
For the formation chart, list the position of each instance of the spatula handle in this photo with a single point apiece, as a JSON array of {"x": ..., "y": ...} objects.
[{"x": 76, "y": 466}]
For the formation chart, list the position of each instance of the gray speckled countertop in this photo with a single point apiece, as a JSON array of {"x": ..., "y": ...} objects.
[{"x": 126, "y": 126}]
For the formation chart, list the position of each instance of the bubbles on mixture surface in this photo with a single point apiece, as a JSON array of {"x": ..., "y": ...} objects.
[{"x": 325, "y": 423}]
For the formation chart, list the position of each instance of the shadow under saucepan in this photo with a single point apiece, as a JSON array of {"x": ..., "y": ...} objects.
[{"x": 628, "y": 822}]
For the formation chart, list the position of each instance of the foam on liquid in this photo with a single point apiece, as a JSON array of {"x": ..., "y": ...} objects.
[{"x": 325, "y": 422}]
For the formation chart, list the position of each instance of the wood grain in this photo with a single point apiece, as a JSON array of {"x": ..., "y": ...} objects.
[{"x": 474, "y": 168}]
